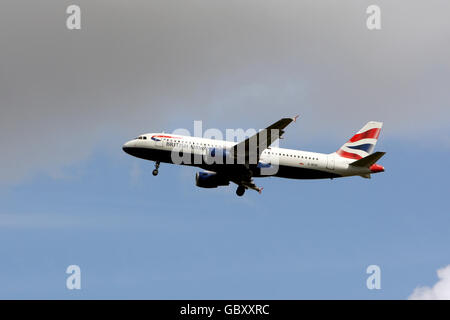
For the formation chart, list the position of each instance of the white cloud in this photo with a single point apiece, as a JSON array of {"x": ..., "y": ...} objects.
[{"x": 440, "y": 291}]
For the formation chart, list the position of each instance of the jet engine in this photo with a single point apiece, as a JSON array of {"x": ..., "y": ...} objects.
[{"x": 208, "y": 179}]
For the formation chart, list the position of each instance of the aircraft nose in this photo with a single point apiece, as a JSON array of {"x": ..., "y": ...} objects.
[{"x": 127, "y": 146}]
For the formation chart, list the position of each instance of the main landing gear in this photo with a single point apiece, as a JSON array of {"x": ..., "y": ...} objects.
[
  {"x": 240, "y": 191},
  {"x": 155, "y": 172}
]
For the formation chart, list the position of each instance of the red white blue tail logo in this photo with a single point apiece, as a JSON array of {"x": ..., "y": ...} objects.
[{"x": 362, "y": 143}]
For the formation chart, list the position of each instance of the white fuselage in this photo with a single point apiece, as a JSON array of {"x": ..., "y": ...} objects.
[{"x": 295, "y": 164}]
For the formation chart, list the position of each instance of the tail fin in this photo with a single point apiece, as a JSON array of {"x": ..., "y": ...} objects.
[{"x": 362, "y": 143}]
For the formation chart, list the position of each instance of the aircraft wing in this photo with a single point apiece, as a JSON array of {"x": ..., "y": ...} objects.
[{"x": 250, "y": 149}]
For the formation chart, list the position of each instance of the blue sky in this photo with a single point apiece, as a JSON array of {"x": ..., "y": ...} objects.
[
  {"x": 137, "y": 236},
  {"x": 70, "y": 195}
]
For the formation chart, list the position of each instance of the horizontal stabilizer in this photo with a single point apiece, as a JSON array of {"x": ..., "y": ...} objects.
[{"x": 366, "y": 162}]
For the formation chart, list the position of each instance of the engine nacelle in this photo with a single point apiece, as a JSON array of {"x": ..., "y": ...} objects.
[{"x": 209, "y": 180}]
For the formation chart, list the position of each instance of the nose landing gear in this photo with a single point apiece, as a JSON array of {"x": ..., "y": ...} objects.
[{"x": 155, "y": 172}]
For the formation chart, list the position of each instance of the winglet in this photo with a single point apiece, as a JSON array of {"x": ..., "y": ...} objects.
[
  {"x": 260, "y": 190},
  {"x": 295, "y": 118}
]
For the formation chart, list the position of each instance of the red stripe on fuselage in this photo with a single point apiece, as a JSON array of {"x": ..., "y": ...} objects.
[
  {"x": 369, "y": 134},
  {"x": 349, "y": 155}
]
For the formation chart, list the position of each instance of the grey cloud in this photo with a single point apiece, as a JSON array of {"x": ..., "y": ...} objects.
[{"x": 140, "y": 66}]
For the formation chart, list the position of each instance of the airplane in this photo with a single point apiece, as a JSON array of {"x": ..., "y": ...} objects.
[{"x": 226, "y": 161}]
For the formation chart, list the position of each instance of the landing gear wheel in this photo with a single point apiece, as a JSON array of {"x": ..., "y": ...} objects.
[
  {"x": 240, "y": 191},
  {"x": 155, "y": 172}
]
